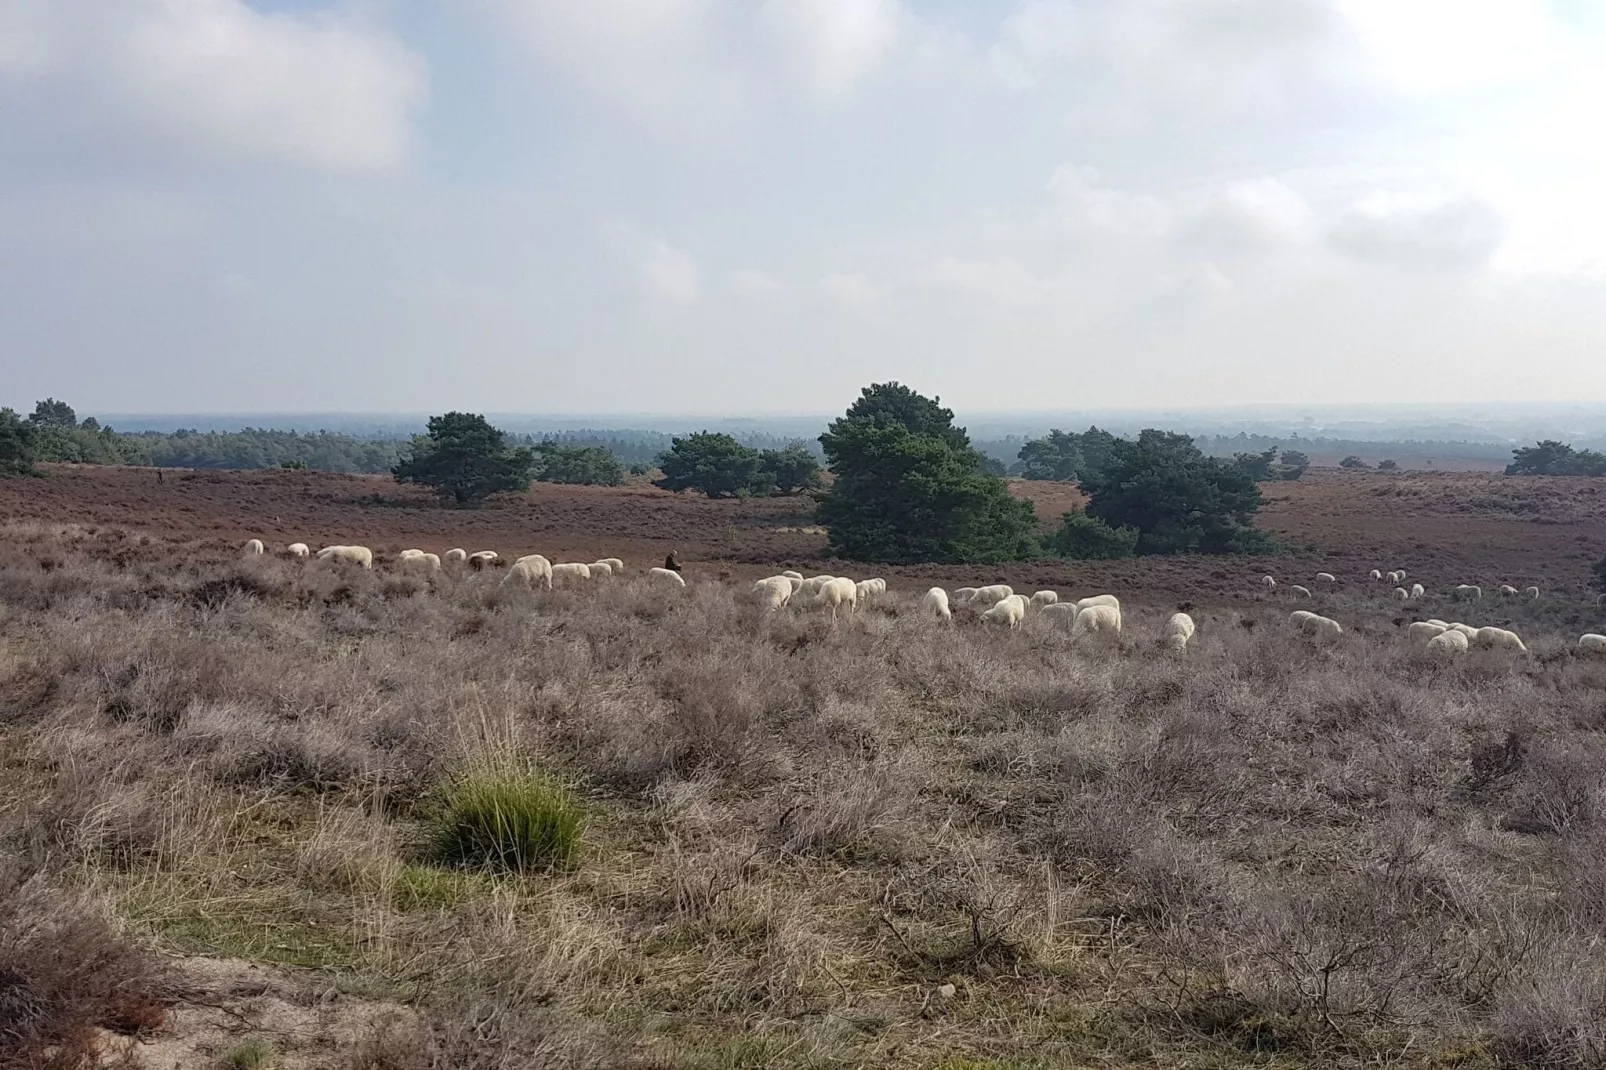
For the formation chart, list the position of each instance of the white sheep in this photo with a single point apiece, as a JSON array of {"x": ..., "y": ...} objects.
[
  {"x": 1401, "y": 574},
  {"x": 409, "y": 558},
  {"x": 456, "y": 554},
  {"x": 1532, "y": 593},
  {"x": 1178, "y": 631},
  {"x": 1268, "y": 582},
  {"x": 813, "y": 585},
  {"x": 1441, "y": 623},
  {"x": 1299, "y": 592},
  {"x": 530, "y": 570},
  {"x": 1469, "y": 592},
  {"x": 1498, "y": 639},
  {"x": 1401, "y": 594},
  {"x": 868, "y": 589},
  {"x": 1395, "y": 578},
  {"x": 1376, "y": 575},
  {"x": 1062, "y": 613},
  {"x": 789, "y": 574},
  {"x": 481, "y": 559},
  {"x": 1592, "y": 644},
  {"x": 1326, "y": 577},
  {"x": 1419, "y": 632},
  {"x": 1045, "y": 598},
  {"x": 836, "y": 593},
  {"x": 1507, "y": 591},
  {"x": 1448, "y": 644},
  {"x": 877, "y": 585},
  {"x": 1097, "y": 620},
  {"x": 571, "y": 570},
  {"x": 773, "y": 592},
  {"x": 1009, "y": 611},
  {"x": 1465, "y": 629},
  {"x": 1109, "y": 601},
  {"x": 601, "y": 570},
  {"x": 298, "y": 549},
  {"x": 992, "y": 595},
  {"x": 935, "y": 603},
  {"x": 348, "y": 555},
  {"x": 432, "y": 560},
  {"x": 616, "y": 566},
  {"x": 1418, "y": 591},
  {"x": 254, "y": 547},
  {"x": 1323, "y": 628},
  {"x": 665, "y": 577},
  {"x": 963, "y": 595}
]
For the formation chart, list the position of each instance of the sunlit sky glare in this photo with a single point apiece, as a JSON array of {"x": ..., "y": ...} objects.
[{"x": 758, "y": 206}]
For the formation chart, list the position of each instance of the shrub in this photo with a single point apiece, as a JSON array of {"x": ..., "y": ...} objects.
[
  {"x": 714, "y": 464},
  {"x": 1353, "y": 462},
  {"x": 506, "y": 817},
  {"x": 909, "y": 487},
  {"x": 1179, "y": 500},
  {"x": 252, "y": 1053},
  {"x": 1086, "y": 538},
  {"x": 464, "y": 460}
]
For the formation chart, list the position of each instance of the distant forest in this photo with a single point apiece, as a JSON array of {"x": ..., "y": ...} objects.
[{"x": 376, "y": 450}]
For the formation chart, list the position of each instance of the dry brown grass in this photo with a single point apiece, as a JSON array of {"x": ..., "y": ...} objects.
[{"x": 798, "y": 833}]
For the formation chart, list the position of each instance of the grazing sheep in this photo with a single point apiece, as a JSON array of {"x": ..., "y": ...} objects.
[
  {"x": 811, "y": 586},
  {"x": 1418, "y": 591},
  {"x": 963, "y": 595},
  {"x": 456, "y": 553},
  {"x": 1326, "y": 577},
  {"x": 603, "y": 570},
  {"x": 838, "y": 592},
  {"x": 530, "y": 570},
  {"x": 1097, "y": 621},
  {"x": 432, "y": 560},
  {"x": 1468, "y": 592},
  {"x": 665, "y": 577},
  {"x": 1507, "y": 591},
  {"x": 1401, "y": 574},
  {"x": 616, "y": 566},
  {"x": 482, "y": 559},
  {"x": 789, "y": 574},
  {"x": 298, "y": 549},
  {"x": 1532, "y": 593},
  {"x": 1443, "y": 624},
  {"x": 1323, "y": 628},
  {"x": 1045, "y": 598},
  {"x": 348, "y": 555},
  {"x": 1498, "y": 639},
  {"x": 1062, "y": 613},
  {"x": 1448, "y": 644},
  {"x": 1419, "y": 632},
  {"x": 1396, "y": 577},
  {"x": 1592, "y": 644},
  {"x": 1108, "y": 600},
  {"x": 935, "y": 603},
  {"x": 1268, "y": 583},
  {"x": 773, "y": 592},
  {"x": 1300, "y": 592},
  {"x": 1009, "y": 611},
  {"x": 1376, "y": 575},
  {"x": 1178, "y": 631},
  {"x": 417, "y": 557},
  {"x": 992, "y": 595},
  {"x": 1465, "y": 629},
  {"x": 1401, "y": 594},
  {"x": 571, "y": 570},
  {"x": 254, "y": 546},
  {"x": 868, "y": 589}
]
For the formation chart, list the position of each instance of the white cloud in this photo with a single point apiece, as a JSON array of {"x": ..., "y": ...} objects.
[
  {"x": 660, "y": 271},
  {"x": 751, "y": 283},
  {"x": 1419, "y": 231},
  {"x": 1086, "y": 203},
  {"x": 831, "y": 45},
  {"x": 1251, "y": 216},
  {"x": 853, "y": 289},
  {"x": 321, "y": 90},
  {"x": 1006, "y": 282}
]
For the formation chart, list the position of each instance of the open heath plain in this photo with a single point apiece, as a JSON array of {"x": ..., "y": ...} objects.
[{"x": 267, "y": 811}]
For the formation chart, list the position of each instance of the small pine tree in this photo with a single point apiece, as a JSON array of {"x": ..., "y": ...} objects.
[{"x": 465, "y": 460}]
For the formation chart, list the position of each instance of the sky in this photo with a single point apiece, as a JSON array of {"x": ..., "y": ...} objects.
[{"x": 759, "y": 206}]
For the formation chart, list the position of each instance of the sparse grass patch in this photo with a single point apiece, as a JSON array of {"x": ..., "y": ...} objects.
[
  {"x": 503, "y": 816},
  {"x": 252, "y": 1053}
]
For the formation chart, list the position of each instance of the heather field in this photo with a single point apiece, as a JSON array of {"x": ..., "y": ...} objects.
[{"x": 264, "y": 812}]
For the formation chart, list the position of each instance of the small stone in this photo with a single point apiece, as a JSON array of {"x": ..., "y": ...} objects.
[{"x": 946, "y": 991}]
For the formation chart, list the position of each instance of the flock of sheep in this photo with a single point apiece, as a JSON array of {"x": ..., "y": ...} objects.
[
  {"x": 1444, "y": 639},
  {"x": 532, "y": 570},
  {"x": 995, "y": 604}
]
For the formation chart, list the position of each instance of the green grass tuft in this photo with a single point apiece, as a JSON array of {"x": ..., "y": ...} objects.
[
  {"x": 513, "y": 818},
  {"x": 252, "y": 1053}
]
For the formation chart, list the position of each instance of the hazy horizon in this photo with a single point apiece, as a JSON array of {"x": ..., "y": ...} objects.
[{"x": 680, "y": 206}]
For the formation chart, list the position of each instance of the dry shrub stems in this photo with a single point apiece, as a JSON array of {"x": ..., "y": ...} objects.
[{"x": 796, "y": 834}]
